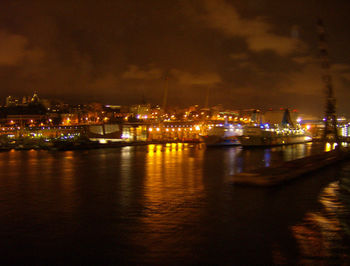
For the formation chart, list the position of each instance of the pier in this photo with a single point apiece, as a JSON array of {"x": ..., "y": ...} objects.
[{"x": 291, "y": 170}]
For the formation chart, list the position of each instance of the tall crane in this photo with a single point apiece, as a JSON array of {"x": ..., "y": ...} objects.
[
  {"x": 330, "y": 133},
  {"x": 165, "y": 95}
]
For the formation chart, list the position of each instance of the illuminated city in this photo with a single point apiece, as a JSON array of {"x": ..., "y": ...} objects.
[
  {"x": 211, "y": 132},
  {"x": 39, "y": 123}
]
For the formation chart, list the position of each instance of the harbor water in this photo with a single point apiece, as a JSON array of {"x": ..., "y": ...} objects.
[{"x": 168, "y": 205}]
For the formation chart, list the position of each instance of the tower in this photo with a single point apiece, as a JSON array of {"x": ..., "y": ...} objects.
[{"x": 330, "y": 133}]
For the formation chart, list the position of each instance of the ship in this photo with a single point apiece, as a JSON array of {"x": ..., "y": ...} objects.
[
  {"x": 265, "y": 135},
  {"x": 223, "y": 135},
  {"x": 273, "y": 135}
]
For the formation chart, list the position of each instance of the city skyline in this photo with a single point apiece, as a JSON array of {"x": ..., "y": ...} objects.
[{"x": 258, "y": 54}]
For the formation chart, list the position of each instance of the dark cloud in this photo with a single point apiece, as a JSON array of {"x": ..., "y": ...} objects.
[
  {"x": 134, "y": 72},
  {"x": 14, "y": 49},
  {"x": 185, "y": 78},
  {"x": 257, "y": 33},
  {"x": 249, "y": 53}
]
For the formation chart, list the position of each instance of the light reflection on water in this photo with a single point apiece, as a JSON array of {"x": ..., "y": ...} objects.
[
  {"x": 173, "y": 188},
  {"x": 323, "y": 236},
  {"x": 168, "y": 204}
]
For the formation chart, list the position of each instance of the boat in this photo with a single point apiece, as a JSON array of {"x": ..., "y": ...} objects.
[
  {"x": 273, "y": 135},
  {"x": 222, "y": 135},
  {"x": 265, "y": 135}
]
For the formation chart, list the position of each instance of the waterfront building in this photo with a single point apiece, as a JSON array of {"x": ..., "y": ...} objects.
[
  {"x": 35, "y": 98},
  {"x": 11, "y": 101},
  {"x": 141, "y": 111},
  {"x": 117, "y": 132},
  {"x": 24, "y": 119},
  {"x": 174, "y": 131},
  {"x": 70, "y": 119},
  {"x": 26, "y": 100}
]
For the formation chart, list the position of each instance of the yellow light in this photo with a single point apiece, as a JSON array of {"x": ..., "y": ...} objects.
[
  {"x": 308, "y": 127},
  {"x": 197, "y": 128},
  {"x": 150, "y": 129},
  {"x": 158, "y": 128},
  {"x": 167, "y": 129},
  {"x": 151, "y": 147}
]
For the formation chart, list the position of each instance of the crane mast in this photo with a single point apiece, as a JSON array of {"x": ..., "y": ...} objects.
[{"x": 330, "y": 133}]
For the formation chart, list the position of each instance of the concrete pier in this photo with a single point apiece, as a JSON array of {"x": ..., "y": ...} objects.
[{"x": 278, "y": 175}]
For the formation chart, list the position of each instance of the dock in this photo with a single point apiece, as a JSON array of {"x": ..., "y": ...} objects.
[{"x": 288, "y": 171}]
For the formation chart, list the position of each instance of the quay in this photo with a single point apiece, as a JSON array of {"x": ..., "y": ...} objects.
[
  {"x": 97, "y": 135},
  {"x": 125, "y": 131},
  {"x": 291, "y": 170}
]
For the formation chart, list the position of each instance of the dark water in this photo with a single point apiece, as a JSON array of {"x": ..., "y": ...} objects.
[{"x": 171, "y": 204}]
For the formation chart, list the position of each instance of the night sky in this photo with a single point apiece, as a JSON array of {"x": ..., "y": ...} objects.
[{"x": 251, "y": 54}]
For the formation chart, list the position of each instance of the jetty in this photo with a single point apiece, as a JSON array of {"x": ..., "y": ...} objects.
[{"x": 290, "y": 170}]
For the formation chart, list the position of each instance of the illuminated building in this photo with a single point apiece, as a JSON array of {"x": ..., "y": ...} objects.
[
  {"x": 141, "y": 111},
  {"x": 11, "y": 101}
]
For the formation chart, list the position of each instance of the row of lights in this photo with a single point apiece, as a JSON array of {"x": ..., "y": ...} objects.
[{"x": 197, "y": 128}]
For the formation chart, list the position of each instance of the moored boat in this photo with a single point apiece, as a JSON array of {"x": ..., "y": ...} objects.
[
  {"x": 266, "y": 135},
  {"x": 223, "y": 135},
  {"x": 284, "y": 133}
]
